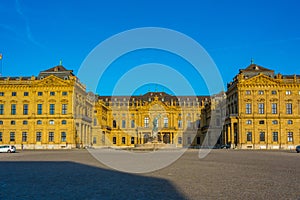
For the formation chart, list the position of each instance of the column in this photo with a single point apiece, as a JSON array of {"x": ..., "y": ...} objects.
[{"x": 229, "y": 139}]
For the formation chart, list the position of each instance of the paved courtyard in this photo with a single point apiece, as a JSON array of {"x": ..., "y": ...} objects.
[{"x": 223, "y": 174}]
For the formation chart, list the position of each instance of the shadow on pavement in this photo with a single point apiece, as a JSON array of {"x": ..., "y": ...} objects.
[{"x": 69, "y": 180}]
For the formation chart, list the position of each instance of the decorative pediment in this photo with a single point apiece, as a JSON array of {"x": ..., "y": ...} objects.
[
  {"x": 261, "y": 100},
  {"x": 261, "y": 80},
  {"x": 52, "y": 81}
]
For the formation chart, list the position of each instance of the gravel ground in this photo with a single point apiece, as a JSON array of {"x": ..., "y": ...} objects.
[{"x": 223, "y": 174}]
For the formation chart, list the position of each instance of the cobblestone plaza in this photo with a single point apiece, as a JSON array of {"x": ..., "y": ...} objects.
[{"x": 223, "y": 174}]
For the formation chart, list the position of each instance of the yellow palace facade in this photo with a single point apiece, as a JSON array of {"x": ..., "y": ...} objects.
[
  {"x": 263, "y": 110},
  {"x": 260, "y": 110},
  {"x": 49, "y": 111},
  {"x": 126, "y": 121}
]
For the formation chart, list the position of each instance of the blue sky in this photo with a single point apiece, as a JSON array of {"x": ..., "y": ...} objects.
[{"x": 36, "y": 35}]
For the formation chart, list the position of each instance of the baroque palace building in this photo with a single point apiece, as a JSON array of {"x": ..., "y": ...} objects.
[
  {"x": 49, "y": 111},
  {"x": 260, "y": 110},
  {"x": 129, "y": 120},
  {"x": 263, "y": 110}
]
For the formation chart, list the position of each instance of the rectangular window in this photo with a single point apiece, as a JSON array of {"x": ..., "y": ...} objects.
[
  {"x": 274, "y": 108},
  {"x": 189, "y": 123},
  {"x": 114, "y": 140},
  {"x": 38, "y": 136},
  {"x": 288, "y": 92},
  {"x": 248, "y": 108},
  {"x": 1, "y": 94},
  {"x": 25, "y": 122},
  {"x": 146, "y": 122},
  {"x": 24, "y": 137},
  {"x": 275, "y": 136},
  {"x": 249, "y": 136},
  {"x": 13, "y": 122},
  {"x": 64, "y": 93},
  {"x": 63, "y": 136},
  {"x": 12, "y": 136},
  {"x": 94, "y": 140},
  {"x": 52, "y": 109},
  {"x": 132, "y": 124},
  {"x": 166, "y": 122},
  {"x": 14, "y": 94},
  {"x": 274, "y": 92},
  {"x": 218, "y": 122},
  {"x": 25, "y": 109},
  {"x": 51, "y": 136},
  {"x": 261, "y": 108},
  {"x": 0, "y": 136},
  {"x": 64, "y": 109},
  {"x": 123, "y": 140},
  {"x": 39, "y": 109},
  {"x": 52, "y": 93},
  {"x": 123, "y": 123},
  {"x": 1, "y": 109},
  {"x": 40, "y": 93},
  {"x": 179, "y": 140},
  {"x": 262, "y": 136},
  {"x": 248, "y": 92},
  {"x": 260, "y": 92},
  {"x": 249, "y": 121},
  {"x": 13, "y": 109},
  {"x": 132, "y": 140},
  {"x": 179, "y": 123},
  {"x": 289, "y": 108},
  {"x": 26, "y": 94},
  {"x": 290, "y": 137}
]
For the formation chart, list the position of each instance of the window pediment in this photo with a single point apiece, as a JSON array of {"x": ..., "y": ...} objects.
[{"x": 261, "y": 100}]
